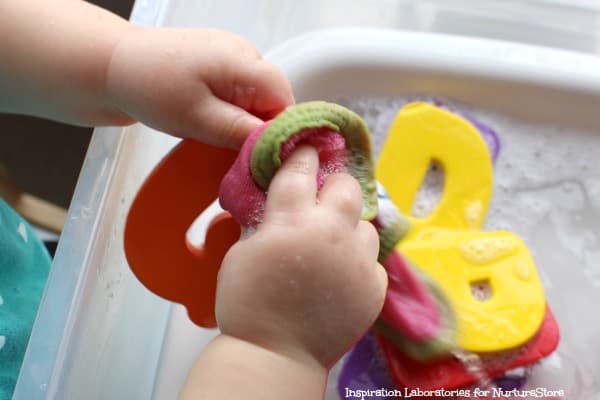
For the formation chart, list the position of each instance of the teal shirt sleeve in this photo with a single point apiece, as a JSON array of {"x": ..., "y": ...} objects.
[{"x": 24, "y": 266}]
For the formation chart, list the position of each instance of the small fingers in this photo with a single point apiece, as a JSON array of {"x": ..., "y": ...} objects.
[
  {"x": 369, "y": 239},
  {"x": 294, "y": 186},
  {"x": 222, "y": 124},
  {"x": 382, "y": 279},
  {"x": 262, "y": 89},
  {"x": 342, "y": 193},
  {"x": 239, "y": 103},
  {"x": 243, "y": 90}
]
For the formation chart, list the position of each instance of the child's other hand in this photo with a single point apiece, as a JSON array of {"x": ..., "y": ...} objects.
[
  {"x": 307, "y": 284},
  {"x": 205, "y": 84}
]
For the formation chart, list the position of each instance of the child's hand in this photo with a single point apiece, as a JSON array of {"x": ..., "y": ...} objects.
[
  {"x": 307, "y": 284},
  {"x": 206, "y": 84}
]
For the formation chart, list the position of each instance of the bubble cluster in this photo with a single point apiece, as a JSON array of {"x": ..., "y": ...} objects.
[{"x": 547, "y": 191}]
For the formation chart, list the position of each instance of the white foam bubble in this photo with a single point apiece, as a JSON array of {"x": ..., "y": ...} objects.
[{"x": 430, "y": 191}]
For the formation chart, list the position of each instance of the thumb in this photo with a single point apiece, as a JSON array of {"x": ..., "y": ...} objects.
[
  {"x": 222, "y": 124},
  {"x": 234, "y": 110}
]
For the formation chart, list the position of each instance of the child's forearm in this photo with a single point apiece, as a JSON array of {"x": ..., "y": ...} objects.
[
  {"x": 230, "y": 368},
  {"x": 53, "y": 60}
]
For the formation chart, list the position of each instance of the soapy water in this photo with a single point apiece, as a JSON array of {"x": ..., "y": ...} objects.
[
  {"x": 547, "y": 191},
  {"x": 430, "y": 191}
]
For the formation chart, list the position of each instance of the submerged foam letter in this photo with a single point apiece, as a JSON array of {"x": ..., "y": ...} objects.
[{"x": 447, "y": 245}]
